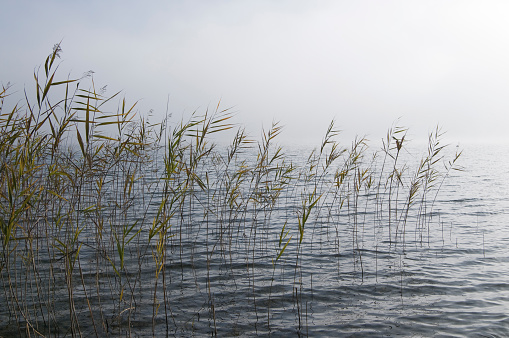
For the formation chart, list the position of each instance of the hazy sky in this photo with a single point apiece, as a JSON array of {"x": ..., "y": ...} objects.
[{"x": 303, "y": 63}]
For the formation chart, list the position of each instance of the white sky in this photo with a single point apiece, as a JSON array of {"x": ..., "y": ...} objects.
[{"x": 303, "y": 63}]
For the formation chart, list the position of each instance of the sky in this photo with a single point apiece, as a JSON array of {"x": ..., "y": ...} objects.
[{"x": 368, "y": 65}]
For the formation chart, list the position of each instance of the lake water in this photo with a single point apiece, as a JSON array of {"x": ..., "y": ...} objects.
[{"x": 351, "y": 275}]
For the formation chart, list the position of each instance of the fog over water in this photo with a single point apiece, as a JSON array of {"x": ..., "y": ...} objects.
[{"x": 366, "y": 63}]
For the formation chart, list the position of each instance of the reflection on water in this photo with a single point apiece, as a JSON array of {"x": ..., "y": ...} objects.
[{"x": 221, "y": 271}]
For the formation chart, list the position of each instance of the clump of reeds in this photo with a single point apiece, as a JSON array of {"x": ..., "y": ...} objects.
[{"x": 108, "y": 221}]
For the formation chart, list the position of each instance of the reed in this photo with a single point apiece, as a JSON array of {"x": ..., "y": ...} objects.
[{"x": 109, "y": 221}]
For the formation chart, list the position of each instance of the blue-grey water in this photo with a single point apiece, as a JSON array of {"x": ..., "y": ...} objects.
[{"x": 441, "y": 274}]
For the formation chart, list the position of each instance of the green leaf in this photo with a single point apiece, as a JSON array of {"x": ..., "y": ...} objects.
[{"x": 80, "y": 141}]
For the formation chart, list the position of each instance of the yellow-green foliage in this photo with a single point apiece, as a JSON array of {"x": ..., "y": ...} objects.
[{"x": 80, "y": 181}]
